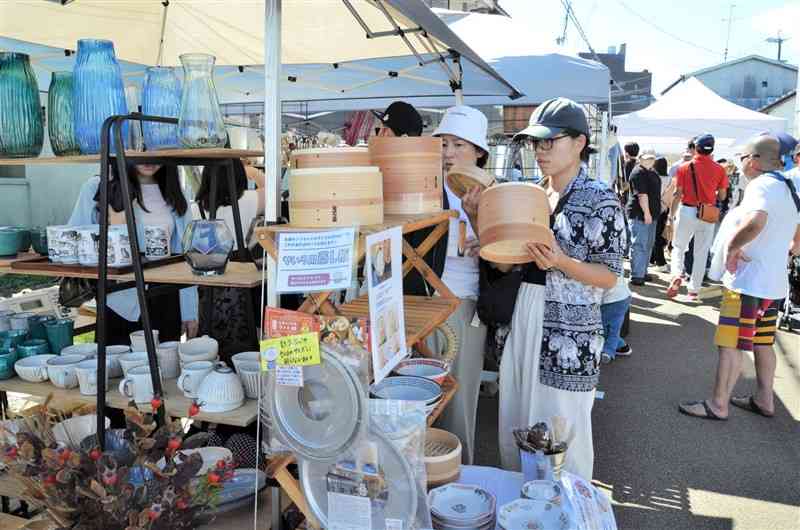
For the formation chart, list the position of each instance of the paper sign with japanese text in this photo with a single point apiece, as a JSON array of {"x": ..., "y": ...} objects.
[
  {"x": 292, "y": 350},
  {"x": 315, "y": 261}
]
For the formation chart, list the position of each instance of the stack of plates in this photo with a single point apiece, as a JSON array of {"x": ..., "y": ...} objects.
[
  {"x": 462, "y": 507},
  {"x": 523, "y": 514},
  {"x": 409, "y": 388}
]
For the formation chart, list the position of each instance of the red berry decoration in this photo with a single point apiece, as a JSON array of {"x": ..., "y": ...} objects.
[
  {"x": 95, "y": 454},
  {"x": 153, "y": 515},
  {"x": 174, "y": 444},
  {"x": 213, "y": 478},
  {"x": 181, "y": 504},
  {"x": 221, "y": 464},
  {"x": 50, "y": 480},
  {"x": 194, "y": 409},
  {"x": 12, "y": 452},
  {"x": 155, "y": 403}
]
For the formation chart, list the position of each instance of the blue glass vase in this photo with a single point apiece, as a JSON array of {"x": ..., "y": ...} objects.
[
  {"x": 200, "y": 124},
  {"x": 162, "y": 97},
  {"x": 99, "y": 92},
  {"x": 21, "y": 125},
  {"x": 60, "y": 119}
]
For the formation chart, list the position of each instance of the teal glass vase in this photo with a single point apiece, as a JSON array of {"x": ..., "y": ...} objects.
[
  {"x": 60, "y": 126},
  {"x": 21, "y": 124}
]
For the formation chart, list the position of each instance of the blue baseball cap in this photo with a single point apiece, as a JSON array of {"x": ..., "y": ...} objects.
[
  {"x": 704, "y": 144},
  {"x": 787, "y": 141}
]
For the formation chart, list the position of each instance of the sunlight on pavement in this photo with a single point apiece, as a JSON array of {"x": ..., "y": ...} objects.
[{"x": 745, "y": 513}]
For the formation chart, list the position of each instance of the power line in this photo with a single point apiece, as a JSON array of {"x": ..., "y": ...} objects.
[{"x": 665, "y": 32}]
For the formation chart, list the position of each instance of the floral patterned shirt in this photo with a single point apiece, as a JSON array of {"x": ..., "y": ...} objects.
[{"x": 590, "y": 228}]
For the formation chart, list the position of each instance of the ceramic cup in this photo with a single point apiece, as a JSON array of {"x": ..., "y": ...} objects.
[
  {"x": 198, "y": 349},
  {"x": 137, "y": 340},
  {"x": 156, "y": 241},
  {"x": 192, "y": 375},
  {"x": 113, "y": 354},
  {"x": 86, "y": 349},
  {"x": 62, "y": 244},
  {"x": 132, "y": 360},
  {"x": 7, "y": 360},
  {"x": 22, "y": 321},
  {"x": 14, "y": 337},
  {"x": 88, "y": 244},
  {"x": 168, "y": 359},
  {"x": 87, "y": 377},
  {"x": 245, "y": 356},
  {"x": 119, "y": 246},
  {"x": 32, "y": 347},
  {"x": 250, "y": 374},
  {"x": 62, "y": 370},
  {"x": 137, "y": 385},
  {"x": 39, "y": 240},
  {"x": 5, "y": 320},
  {"x": 36, "y": 326},
  {"x": 59, "y": 333}
]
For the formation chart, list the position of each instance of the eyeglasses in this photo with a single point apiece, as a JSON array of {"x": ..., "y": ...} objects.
[
  {"x": 745, "y": 157},
  {"x": 545, "y": 144}
]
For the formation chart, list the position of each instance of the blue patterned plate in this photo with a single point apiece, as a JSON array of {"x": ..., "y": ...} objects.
[
  {"x": 408, "y": 388},
  {"x": 526, "y": 514}
]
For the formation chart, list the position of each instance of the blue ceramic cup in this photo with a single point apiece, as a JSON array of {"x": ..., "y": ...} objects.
[
  {"x": 7, "y": 360},
  {"x": 14, "y": 336},
  {"x": 59, "y": 333},
  {"x": 36, "y": 326},
  {"x": 32, "y": 347}
]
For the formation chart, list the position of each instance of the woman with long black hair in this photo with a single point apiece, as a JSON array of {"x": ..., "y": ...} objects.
[{"x": 158, "y": 200}]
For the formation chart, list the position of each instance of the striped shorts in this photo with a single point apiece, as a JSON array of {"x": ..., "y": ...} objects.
[{"x": 745, "y": 321}]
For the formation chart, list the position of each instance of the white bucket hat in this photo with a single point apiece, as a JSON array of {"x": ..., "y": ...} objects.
[{"x": 467, "y": 123}]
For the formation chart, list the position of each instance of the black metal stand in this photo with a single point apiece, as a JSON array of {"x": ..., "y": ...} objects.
[{"x": 114, "y": 125}]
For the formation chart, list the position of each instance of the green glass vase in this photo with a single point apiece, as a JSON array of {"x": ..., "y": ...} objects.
[
  {"x": 21, "y": 125},
  {"x": 60, "y": 125}
]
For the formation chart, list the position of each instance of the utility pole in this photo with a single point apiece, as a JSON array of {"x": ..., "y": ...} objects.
[
  {"x": 730, "y": 23},
  {"x": 779, "y": 40}
]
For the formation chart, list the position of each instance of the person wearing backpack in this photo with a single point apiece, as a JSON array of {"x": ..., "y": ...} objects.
[
  {"x": 754, "y": 243},
  {"x": 701, "y": 184}
]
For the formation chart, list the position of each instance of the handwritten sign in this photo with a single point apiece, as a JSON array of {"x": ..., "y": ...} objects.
[{"x": 292, "y": 350}]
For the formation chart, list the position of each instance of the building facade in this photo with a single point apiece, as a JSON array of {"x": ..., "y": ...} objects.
[
  {"x": 753, "y": 81},
  {"x": 784, "y": 107},
  {"x": 633, "y": 89}
]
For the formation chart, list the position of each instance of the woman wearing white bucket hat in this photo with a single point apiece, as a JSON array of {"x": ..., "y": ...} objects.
[{"x": 463, "y": 133}]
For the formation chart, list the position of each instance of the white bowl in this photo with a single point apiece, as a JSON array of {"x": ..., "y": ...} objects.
[
  {"x": 210, "y": 455},
  {"x": 34, "y": 368},
  {"x": 132, "y": 360},
  {"x": 250, "y": 374},
  {"x": 198, "y": 349},
  {"x": 408, "y": 388},
  {"x": 138, "y": 342},
  {"x": 88, "y": 349},
  {"x": 432, "y": 369},
  {"x": 220, "y": 391},
  {"x": 245, "y": 356},
  {"x": 61, "y": 370},
  {"x": 74, "y": 430}
]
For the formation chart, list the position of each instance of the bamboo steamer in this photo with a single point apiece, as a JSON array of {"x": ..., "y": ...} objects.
[
  {"x": 335, "y": 196},
  {"x": 330, "y": 157},
  {"x": 412, "y": 173},
  {"x": 461, "y": 179},
  {"x": 510, "y": 215}
]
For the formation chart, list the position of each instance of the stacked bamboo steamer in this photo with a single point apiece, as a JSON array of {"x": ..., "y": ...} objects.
[
  {"x": 332, "y": 187},
  {"x": 412, "y": 173}
]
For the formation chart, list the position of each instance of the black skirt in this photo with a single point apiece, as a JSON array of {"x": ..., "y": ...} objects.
[{"x": 165, "y": 316}]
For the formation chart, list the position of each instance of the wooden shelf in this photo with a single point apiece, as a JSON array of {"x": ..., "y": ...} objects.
[
  {"x": 166, "y": 155},
  {"x": 409, "y": 223},
  {"x": 240, "y": 275},
  {"x": 422, "y": 314},
  {"x": 176, "y": 403}
]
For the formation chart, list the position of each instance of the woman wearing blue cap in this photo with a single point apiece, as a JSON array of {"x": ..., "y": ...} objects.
[{"x": 551, "y": 358}]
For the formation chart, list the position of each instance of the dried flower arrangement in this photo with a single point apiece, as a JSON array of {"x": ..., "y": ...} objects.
[{"x": 123, "y": 487}]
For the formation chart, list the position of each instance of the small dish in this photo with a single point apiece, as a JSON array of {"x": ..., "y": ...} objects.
[
  {"x": 542, "y": 490},
  {"x": 74, "y": 430},
  {"x": 33, "y": 368},
  {"x": 433, "y": 369},
  {"x": 523, "y": 514},
  {"x": 407, "y": 388}
]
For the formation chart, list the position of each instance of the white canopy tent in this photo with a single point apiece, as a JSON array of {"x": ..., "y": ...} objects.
[{"x": 691, "y": 109}]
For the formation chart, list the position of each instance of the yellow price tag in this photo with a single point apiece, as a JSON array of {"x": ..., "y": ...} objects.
[{"x": 292, "y": 350}]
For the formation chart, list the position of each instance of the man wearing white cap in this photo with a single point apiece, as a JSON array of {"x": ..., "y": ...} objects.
[{"x": 463, "y": 133}]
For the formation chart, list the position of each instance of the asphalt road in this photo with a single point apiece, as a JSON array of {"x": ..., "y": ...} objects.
[{"x": 667, "y": 471}]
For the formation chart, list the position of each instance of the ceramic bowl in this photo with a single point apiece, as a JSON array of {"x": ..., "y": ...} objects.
[
  {"x": 75, "y": 430},
  {"x": 250, "y": 374},
  {"x": 39, "y": 240},
  {"x": 34, "y": 368},
  {"x": 245, "y": 356},
  {"x": 221, "y": 390},
  {"x": 24, "y": 238},
  {"x": 88, "y": 349},
  {"x": 132, "y": 360},
  {"x": 138, "y": 342},
  {"x": 88, "y": 377},
  {"x": 433, "y": 369},
  {"x": 32, "y": 347},
  {"x": 198, "y": 349},
  {"x": 7, "y": 360},
  {"x": 14, "y": 336},
  {"x": 21, "y": 321},
  {"x": 9, "y": 241},
  {"x": 61, "y": 370},
  {"x": 407, "y": 388}
]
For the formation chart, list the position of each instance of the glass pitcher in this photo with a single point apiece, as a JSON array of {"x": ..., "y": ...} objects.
[
  {"x": 21, "y": 125},
  {"x": 200, "y": 124}
]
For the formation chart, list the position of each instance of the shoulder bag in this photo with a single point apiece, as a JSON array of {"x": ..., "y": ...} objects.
[{"x": 705, "y": 212}]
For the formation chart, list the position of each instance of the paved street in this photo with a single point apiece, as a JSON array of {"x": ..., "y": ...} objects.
[{"x": 666, "y": 471}]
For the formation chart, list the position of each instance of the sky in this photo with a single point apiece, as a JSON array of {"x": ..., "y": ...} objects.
[{"x": 668, "y": 38}]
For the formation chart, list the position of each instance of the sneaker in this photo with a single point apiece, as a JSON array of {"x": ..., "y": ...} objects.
[
  {"x": 606, "y": 358},
  {"x": 637, "y": 281},
  {"x": 624, "y": 350}
]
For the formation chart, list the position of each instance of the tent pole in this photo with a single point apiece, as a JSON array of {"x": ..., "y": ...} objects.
[
  {"x": 272, "y": 126},
  {"x": 160, "y": 57}
]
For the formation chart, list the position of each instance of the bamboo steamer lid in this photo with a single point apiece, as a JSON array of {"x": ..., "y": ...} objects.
[
  {"x": 461, "y": 179},
  {"x": 336, "y": 196},
  {"x": 330, "y": 157},
  {"x": 510, "y": 215},
  {"x": 412, "y": 173}
]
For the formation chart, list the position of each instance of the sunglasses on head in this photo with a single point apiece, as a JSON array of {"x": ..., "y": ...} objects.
[{"x": 749, "y": 155}]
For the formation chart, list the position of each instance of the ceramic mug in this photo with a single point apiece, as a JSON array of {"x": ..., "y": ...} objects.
[
  {"x": 88, "y": 244},
  {"x": 119, "y": 246},
  {"x": 62, "y": 372},
  {"x": 59, "y": 333},
  {"x": 250, "y": 374},
  {"x": 137, "y": 340},
  {"x": 168, "y": 359},
  {"x": 22, "y": 321},
  {"x": 5, "y": 320},
  {"x": 156, "y": 241},
  {"x": 62, "y": 244},
  {"x": 113, "y": 353},
  {"x": 36, "y": 326},
  {"x": 7, "y": 360},
  {"x": 193, "y": 374},
  {"x": 87, "y": 377},
  {"x": 137, "y": 385},
  {"x": 129, "y": 361}
]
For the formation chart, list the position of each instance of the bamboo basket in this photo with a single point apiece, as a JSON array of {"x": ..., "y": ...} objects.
[
  {"x": 510, "y": 215},
  {"x": 330, "y": 157},
  {"x": 412, "y": 173},
  {"x": 335, "y": 196}
]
